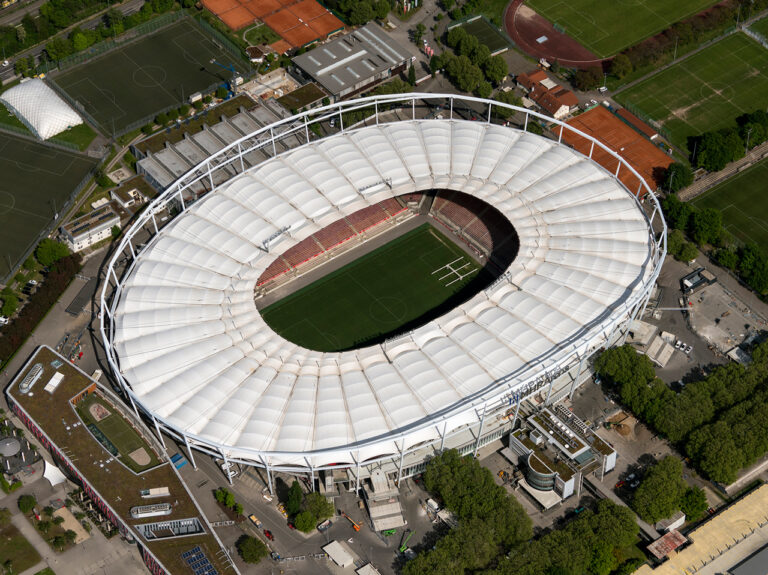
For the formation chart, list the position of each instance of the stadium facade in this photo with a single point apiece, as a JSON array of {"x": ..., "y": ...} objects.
[{"x": 190, "y": 350}]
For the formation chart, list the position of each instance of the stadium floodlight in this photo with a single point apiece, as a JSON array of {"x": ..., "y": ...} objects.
[{"x": 188, "y": 345}]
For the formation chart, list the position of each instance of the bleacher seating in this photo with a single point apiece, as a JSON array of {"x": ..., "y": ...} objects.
[
  {"x": 275, "y": 269},
  {"x": 366, "y": 218},
  {"x": 302, "y": 252},
  {"x": 410, "y": 198},
  {"x": 336, "y": 233},
  {"x": 392, "y": 207}
]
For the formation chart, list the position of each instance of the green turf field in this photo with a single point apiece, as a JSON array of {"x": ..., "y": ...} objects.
[
  {"x": 118, "y": 431},
  {"x": 487, "y": 34},
  {"x": 761, "y": 27},
  {"x": 35, "y": 178},
  {"x": 741, "y": 199},
  {"x": 606, "y": 27},
  {"x": 383, "y": 293},
  {"x": 146, "y": 76},
  {"x": 705, "y": 92}
]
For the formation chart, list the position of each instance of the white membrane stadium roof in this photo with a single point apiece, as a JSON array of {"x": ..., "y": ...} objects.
[
  {"x": 40, "y": 108},
  {"x": 197, "y": 353}
]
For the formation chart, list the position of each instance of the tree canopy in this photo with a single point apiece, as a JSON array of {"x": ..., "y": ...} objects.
[
  {"x": 49, "y": 251},
  {"x": 661, "y": 490},
  {"x": 251, "y": 549},
  {"x": 677, "y": 176}
]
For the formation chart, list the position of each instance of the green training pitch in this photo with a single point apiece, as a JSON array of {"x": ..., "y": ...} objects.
[
  {"x": 138, "y": 80},
  {"x": 37, "y": 179},
  {"x": 487, "y": 34},
  {"x": 397, "y": 287},
  {"x": 707, "y": 91},
  {"x": 118, "y": 431},
  {"x": 761, "y": 27},
  {"x": 607, "y": 27},
  {"x": 741, "y": 199}
]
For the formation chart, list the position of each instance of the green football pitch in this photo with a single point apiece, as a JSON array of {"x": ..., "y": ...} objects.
[
  {"x": 487, "y": 34},
  {"x": 397, "y": 287},
  {"x": 741, "y": 199},
  {"x": 118, "y": 431},
  {"x": 706, "y": 91},
  {"x": 606, "y": 27},
  {"x": 761, "y": 27},
  {"x": 37, "y": 181},
  {"x": 140, "y": 79}
]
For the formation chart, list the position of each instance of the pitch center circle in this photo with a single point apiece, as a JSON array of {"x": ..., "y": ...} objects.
[{"x": 150, "y": 76}]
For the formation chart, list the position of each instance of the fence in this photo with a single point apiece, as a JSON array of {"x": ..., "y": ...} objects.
[
  {"x": 222, "y": 41},
  {"x": 108, "y": 45},
  {"x": 756, "y": 36},
  {"x": 648, "y": 120}
]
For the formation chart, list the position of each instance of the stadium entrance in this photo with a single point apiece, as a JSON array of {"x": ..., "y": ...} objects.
[{"x": 388, "y": 269}]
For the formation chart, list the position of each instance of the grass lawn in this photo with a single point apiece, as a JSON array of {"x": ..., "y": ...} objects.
[
  {"x": 493, "y": 10},
  {"x": 81, "y": 136},
  {"x": 36, "y": 177},
  {"x": 261, "y": 34},
  {"x": 146, "y": 76},
  {"x": 741, "y": 199},
  {"x": 118, "y": 431},
  {"x": 14, "y": 547},
  {"x": 487, "y": 34},
  {"x": 705, "y": 92},
  {"x": 46, "y": 571},
  {"x": 761, "y": 27},
  {"x": 606, "y": 28},
  {"x": 393, "y": 289}
]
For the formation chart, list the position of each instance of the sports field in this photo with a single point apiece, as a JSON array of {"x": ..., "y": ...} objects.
[
  {"x": 149, "y": 75},
  {"x": 36, "y": 179},
  {"x": 705, "y": 92},
  {"x": 390, "y": 290},
  {"x": 741, "y": 199},
  {"x": 117, "y": 431},
  {"x": 607, "y": 27},
  {"x": 487, "y": 34},
  {"x": 761, "y": 27}
]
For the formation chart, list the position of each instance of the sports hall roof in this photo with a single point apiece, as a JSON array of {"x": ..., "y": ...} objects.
[
  {"x": 199, "y": 356},
  {"x": 40, "y": 108}
]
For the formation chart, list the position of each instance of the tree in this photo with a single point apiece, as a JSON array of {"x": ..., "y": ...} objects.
[
  {"x": 675, "y": 242},
  {"x": 717, "y": 149},
  {"x": 251, "y": 549},
  {"x": 115, "y": 231},
  {"x": 418, "y": 33},
  {"x": 465, "y": 75},
  {"x": 677, "y": 176},
  {"x": 678, "y": 213},
  {"x": 412, "y": 75},
  {"x": 361, "y": 13},
  {"x": 688, "y": 252},
  {"x": 58, "y": 520},
  {"x": 319, "y": 506},
  {"x": 495, "y": 69},
  {"x": 59, "y": 542},
  {"x": 27, "y": 503},
  {"x": 70, "y": 536},
  {"x": 706, "y": 225},
  {"x": 620, "y": 365},
  {"x": 10, "y": 303},
  {"x": 753, "y": 266},
  {"x": 239, "y": 508},
  {"x": 661, "y": 491},
  {"x": 621, "y": 66},
  {"x": 447, "y": 4},
  {"x": 381, "y": 8},
  {"x": 293, "y": 501},
  {"x": 44, "y": 526},
  {"x": 480, "y": 55},
  {"x": 79, "y": 41},
  {"x": 48, "y": 510},
  {"x": 467, "y": 45},
  {"x": 49, "y": 251},
  {"x": 727, "y": 258},
  {"x": 505, "y": 98},
  {"x": 221, "y": 92},
  {"x": 229, "y": 500},
  {"x": 21, "y": 66},
  {"x": 588, "y": 79},
  {"x": 305, "y": 521},
  {"x": 220, "y": 495},
  {"x": 455, "y": 36},
  {"x": 483, "y": 89},
  {"x": 694, "y": 503}
]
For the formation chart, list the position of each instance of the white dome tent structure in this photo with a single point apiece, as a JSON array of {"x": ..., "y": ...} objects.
[
  {"x": 39, "y": 108},
  {"x": 189, "y": 348}
]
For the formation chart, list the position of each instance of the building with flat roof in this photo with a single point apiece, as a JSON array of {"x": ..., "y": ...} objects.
[
  {"x": 355, "y": 62},
  {"x": 755, "y": 564},
  {"x": 90, "y": 229}
]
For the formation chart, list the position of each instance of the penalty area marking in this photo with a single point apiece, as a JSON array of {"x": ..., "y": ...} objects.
[{"x": 456, "y": 270}]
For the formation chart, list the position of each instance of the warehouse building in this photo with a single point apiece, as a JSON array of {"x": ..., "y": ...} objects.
[{"x": 355, "y": 62}]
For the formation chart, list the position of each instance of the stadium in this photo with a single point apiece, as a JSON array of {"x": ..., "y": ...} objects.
[{"x": 496, "y": 263}]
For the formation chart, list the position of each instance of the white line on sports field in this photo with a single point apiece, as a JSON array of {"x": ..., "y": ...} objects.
[{"x": 455, "y": 271}]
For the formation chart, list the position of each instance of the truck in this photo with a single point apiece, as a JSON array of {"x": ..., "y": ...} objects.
[
  {"x": 255, "y": 520},
  {"x": 355, "y": 526},
  {"x": 178, "y": 460}
]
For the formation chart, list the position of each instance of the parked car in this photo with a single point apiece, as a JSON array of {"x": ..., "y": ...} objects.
[
  {"x": 3, "y": 320},
  {"x": 32, "y": 282},
  {"x": 679, "y": 344},
  {"x": 268, "y": 535},
  {"x": 688, "y": 350},
  {"x": 620, "y": 484},
  {"x": 255, "y": 520},
  {"x": 634, "y": 484}
]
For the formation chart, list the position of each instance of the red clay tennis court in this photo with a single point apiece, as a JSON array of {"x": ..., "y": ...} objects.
[
  {"x": 236, "y": 18},
  {"x": 641, "y": 153},
  {"x": 260, "y": 8}
]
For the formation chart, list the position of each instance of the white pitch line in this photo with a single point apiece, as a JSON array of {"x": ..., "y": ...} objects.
[{"x": 448, "y": 265}]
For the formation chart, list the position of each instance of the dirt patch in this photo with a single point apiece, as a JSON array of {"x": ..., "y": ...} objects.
[
  {"x": 140, "y": 456},
  {"x": 525, "y": 27},
  {"x": 70, "y": 523},
  {"x": 98, "y": 411},
  {"x": 623, "y": 424}
]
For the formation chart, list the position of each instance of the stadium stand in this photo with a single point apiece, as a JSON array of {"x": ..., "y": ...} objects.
[
  {"x": 333, "y": 235},
  {"x": 303, "y": 252},
  {"x": 367, "y": 218}
]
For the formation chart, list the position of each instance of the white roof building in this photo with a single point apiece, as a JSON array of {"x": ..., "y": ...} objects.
[
  {"x": 40, "y": 108},
  {"x": 196, "y": 354}
]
